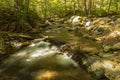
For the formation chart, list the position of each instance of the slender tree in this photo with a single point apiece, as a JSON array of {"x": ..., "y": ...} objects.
[
  {"x": 18, "y": 4},
  {"x": 89, "y": 6},
  {"x": 84, "y": 7},
  {"x": 45, "y": 10},
  {"x": 27, "y": 3},
  {"x": 65, "y": 1},
  {"x": 101, "y": 3},
  {"x": 74, "y": 7},
  {"x": 110, "y": 2},
  {"x": 117, "y": 4},
  {"x": 78, "y": 1}
]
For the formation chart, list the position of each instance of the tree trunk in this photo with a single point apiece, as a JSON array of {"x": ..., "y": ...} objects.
[
  {"x": 89, "y": 6},
  {"x": 84, "y": 7},
  {"x": 117, "y": 7},
  {"x": 18, "y": 4},
  {"x": 65, "y": 6},
  {"x": 45, "y": 10},
  {"x": 101, "y": 3},
  {"x": 23, "y": 23},
  {"x": 27, "y": 3},
  {"x": 109, "y": 6},
  {"x": 74, "y": 7},
  {"x": 78, "y": 7}
]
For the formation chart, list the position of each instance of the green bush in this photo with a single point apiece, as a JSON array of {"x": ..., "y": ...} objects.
[{"x": 99, "y": 12}]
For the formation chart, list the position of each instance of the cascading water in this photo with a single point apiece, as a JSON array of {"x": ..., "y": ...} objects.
[{"x": 41, "y": 61}]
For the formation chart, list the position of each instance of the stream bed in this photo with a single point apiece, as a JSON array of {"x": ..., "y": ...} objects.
[{"x": 41, "y": 61}]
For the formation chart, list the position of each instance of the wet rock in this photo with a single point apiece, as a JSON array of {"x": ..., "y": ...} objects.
[
  {"x": 88, "y": 23},
  {"x": 106, "y": 48},
  {"x": 43, "y": 25},
  {"x": 116, "y": 46},
  {"x": 75, "y": 20},
  {"x": 112, "y": 69},
  {"x": 110, "y": 38},
  {"x": 118, "y": 20},
  {"x": 101, "y": 67},
  {"x": 100, "y": 30},
  {"x": 47, "y": 22}
]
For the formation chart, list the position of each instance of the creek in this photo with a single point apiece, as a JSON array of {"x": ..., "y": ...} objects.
[{"x": 42, "y": 61}]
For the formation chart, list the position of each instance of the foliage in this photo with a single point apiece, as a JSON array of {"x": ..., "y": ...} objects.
[
  {"x": 61, "y": 8},
  {"x": 12, "y": 21},
  {"x": 28, "y": 14},
  {"x": 99, "y": 12}
]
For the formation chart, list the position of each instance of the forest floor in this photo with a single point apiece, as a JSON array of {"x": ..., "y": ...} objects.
[{"x": 95, "y": 46}]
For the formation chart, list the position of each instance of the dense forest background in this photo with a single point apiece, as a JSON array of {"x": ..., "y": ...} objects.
[{"x": 26, "y": 14}]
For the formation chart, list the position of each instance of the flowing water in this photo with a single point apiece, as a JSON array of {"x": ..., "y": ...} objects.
[
  {"x": 61, "y": 34},
  {"x": 41, "y": 61}
]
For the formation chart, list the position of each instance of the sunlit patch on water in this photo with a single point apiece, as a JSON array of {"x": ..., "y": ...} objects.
[{"x": 46, "y": 75}]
